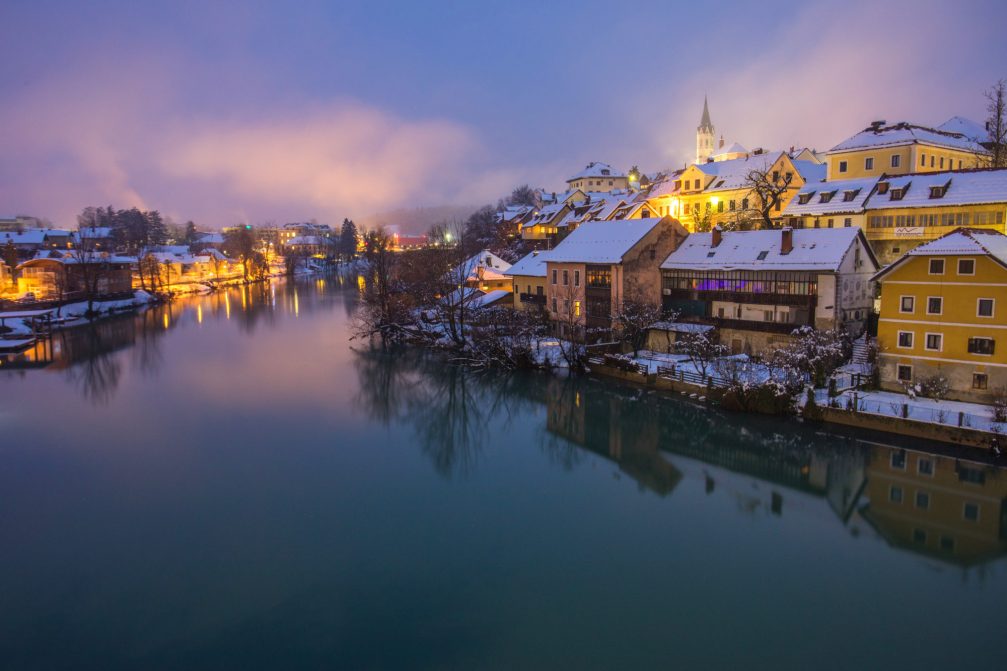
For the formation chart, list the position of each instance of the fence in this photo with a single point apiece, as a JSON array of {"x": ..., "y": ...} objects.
[
  {"x": 673, "y": 373},
  {"x": 951, "y": 415}
]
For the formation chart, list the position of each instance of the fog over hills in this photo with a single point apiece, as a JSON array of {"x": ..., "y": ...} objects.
[{"x": 418, "y": 220}]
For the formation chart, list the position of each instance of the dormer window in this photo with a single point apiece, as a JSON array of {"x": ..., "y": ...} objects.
[
  {"x": 826, "y": 196},
  {"x": 882, "y": 188},
  {"x": 848, "y": 196},
  {"x": 606, "y": 172},
  {"x": 762, "y": 255},
  {"x": 897, "y": 194},
  {"x": 938, "y": 191},
  {"x": 805, "y": 198}
]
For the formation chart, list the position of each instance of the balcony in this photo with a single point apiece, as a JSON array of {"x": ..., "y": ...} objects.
[
  {"x": 800, "y": 300},
  {"x": 537, "y": 299}
]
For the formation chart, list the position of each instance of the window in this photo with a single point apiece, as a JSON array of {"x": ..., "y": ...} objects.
[
  {"x": 931, "y": 160},
  {"x": 904, "y": 373},
  {"x": 842, "y": 166},
  {"x": 566, "y": 277},
  {"x": 720, "y": 206},
  {"x": 897, "y": 194},
  {"x": 984, "y": 308},
  {"x": 847, "y": 222},
  {"x": 966, "y": 266},
  {"x": 970, "y": 511},
  {"x": 895, "y": 494},
  {"x": 934, "y": 342},
  {"x": 935, "y": 305},
  {"x": 826, "y": 196},
  {"x": 896, "y": 160},
  {"x": 554, "y": 277},
  {"x": 768, "y": 315},
  {"x": 942, "y": 162},
  {"x": 554, "y": 305},
  {"x": 830, "y": 223},
  {"x": 732, "y": 205},
  {"x": 899, "y": 459},
  {"x": 925, "y": 467},
  {"x": 907, "y": 304},
  {"x": 802, "y": 199},
  {"x": 947, "y": 544},
  {"x": 936, "y": 266},
  {"x": 762, "y": 255},
  {"x": 776, "y": 175},
  {"x": 906, "y": 339},
  {"x": 744, "y": 203},
  {"x": 576, "y": 308},
  {"x": 696, "y": 184},
  {"x": 981, "y": 346},
  {"x": 923, "y": 160},
  {"x": 848, "y": 196},
  {"x": 980, "y": 381},
  {"x": 869, "y": 163},
  {"x": 937, "y": 191},
  {"x": 922, "y": 500},
  {"x": 576, "y": 278}
]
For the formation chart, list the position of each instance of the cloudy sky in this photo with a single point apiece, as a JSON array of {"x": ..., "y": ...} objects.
[{"x": 256, "y": 111}]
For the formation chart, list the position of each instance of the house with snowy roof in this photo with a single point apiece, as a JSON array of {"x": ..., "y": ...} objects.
[
  {"x": 598, "y": 176},
  {"x": 723, "y": 192},
  {"x": 603, "y": 264},
  {"x": 905, "y": 211},
  {"x": 836, "y": 204},
  {"x": 542, "y": 227},
  {"x": 528, "y": 277},
  {"x": 902, "y": 147},
  {"x": 485, "y": 271},
  {"x": 756, "y": 287},
  {"x": 942, "y": 313}
]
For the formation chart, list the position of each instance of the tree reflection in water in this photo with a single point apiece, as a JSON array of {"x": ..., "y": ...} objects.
[{"x": 95, "y": 370}]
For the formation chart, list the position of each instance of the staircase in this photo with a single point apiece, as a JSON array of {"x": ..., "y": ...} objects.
[{"x": 861, "y": 347}]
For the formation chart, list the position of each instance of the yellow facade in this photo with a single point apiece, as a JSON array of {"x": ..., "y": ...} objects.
[
  {"x": 950, "y": 322},
  {"x": 898, "y": 160},
  {"x": 529, "y": 292},
  {"x": 696, "y": 196},
  {"x": 895, "y": 230}
]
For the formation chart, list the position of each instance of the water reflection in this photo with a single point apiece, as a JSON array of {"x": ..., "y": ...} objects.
[{"x": 948, "y": 506}]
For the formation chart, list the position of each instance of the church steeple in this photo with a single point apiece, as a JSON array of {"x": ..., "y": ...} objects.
[
  {"x": 705, "y": 123},
  {"x": 704, "y": 135}
]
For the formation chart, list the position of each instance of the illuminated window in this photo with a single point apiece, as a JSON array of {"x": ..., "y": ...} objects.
[{"x": 576, "y": 308}]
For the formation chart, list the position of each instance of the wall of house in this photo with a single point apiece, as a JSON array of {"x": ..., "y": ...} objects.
[
  {"x": 743, "y": 341},
  {"x": 892, "y": 232},
  {"x": 601, "y": 184},
  {"x": 910, "y": 160},
  {"x": 850, "y": 293},
  {"x": 523, "y": 284},
  {"x": 957, "y": 322}
]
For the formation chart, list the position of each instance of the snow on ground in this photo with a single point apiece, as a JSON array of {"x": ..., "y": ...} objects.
[{"x": 977, "y": 415}]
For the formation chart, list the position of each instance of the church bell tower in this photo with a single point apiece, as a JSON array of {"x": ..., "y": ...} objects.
[{"x": 704, "y": 135}]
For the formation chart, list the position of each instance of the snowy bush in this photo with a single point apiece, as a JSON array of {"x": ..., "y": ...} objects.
[
  {"x": 1000, "y": 405},
  {"x": 815, "y": 353},
  {"x": 935, "y": 387}
]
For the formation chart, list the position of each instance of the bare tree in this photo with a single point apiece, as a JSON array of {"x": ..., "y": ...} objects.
[
  {"x": 996, "y": 124},
  {"x": 91, "y": 268},
  {"x": 635, "y": 317},
  {"x": 768, "y": 189},
  {"x": 701, "y": 348}
]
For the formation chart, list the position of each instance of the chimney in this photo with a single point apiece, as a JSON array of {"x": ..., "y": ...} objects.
[
  {"x": 787, "y": 240},
  {"x": 718, "y": 235},
  {"x": 721, "y": 141}
]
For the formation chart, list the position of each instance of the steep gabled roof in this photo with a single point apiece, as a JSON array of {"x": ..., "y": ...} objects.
[
  {"x": 530, "y": 265},
  {"x": 959, "y": 242},
  {"x": 595, "y": 169}
]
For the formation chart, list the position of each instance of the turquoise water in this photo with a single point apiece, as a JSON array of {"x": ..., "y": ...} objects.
[{"x": 229, "y": 482}]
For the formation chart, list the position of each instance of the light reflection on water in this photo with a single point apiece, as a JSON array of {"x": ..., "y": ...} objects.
[{"x": 227, "y": 481}]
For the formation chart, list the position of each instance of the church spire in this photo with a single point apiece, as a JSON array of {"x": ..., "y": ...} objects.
[{"x": 705, "y": 122}]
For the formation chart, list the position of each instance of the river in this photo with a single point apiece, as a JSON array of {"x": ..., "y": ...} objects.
[{"x": 230, "y": 482}]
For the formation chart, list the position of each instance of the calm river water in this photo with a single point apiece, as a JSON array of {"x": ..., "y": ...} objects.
[{"x": 229, "y": 483}]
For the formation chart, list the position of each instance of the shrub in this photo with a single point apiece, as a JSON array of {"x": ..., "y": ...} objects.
[
  {"x": 1000, "y": 405},
  {"x": 935, "y": 387}
]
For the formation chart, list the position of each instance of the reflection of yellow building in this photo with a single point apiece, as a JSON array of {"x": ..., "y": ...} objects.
[
  {"x": 901, "y": 148},
  {"x": 940, "y": 506},
  {"x": 942, "y": 311},
  {"x": 721, "y": 192}
]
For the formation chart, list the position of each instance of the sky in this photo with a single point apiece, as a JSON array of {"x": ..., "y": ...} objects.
[{"x": 258, "y": 112}]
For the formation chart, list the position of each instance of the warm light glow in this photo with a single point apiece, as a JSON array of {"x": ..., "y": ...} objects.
[
  {"x": 166, "y": 320},
  {"x": 199, "y": 314},
  {"x": 297, "y": 305}
]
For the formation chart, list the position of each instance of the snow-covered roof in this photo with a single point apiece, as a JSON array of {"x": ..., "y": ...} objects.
[
  {"x": 967, "y": 127},
  {"x": 211, "y": 238},
  {"x": 819, "y": 249},
  {"x": 733, "y": 174},
  {"x": 841, "y": 196},
  {"x": 905, "y": 133},
  {"x": 963, "y": 188},
  {"x": 966, "y": 241},
  {"x": 810, "y": 171},
  {"x": 733, "y": 149},
  {"x": 95, "y": 232},
  {"x": 959, "y": 242},
  {"x": 602, "y": 241},
  {"x": 309, "y": 240},
  {"x": 682, "y": 327},
  {"x": 32, "y": 236},
  {"x": 492, "y": 265},
  {"x": 530, "y": 265},
  {"x": 488, "y": 298},
  {"x": 596, "y": 169}
]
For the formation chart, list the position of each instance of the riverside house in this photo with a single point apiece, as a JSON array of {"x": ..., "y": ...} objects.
[
  {"x": 601, "y": 265},
  {"x": 528, "y": 275},
  {"x": 942, "y": 312},
  {"x": 758, "y": 286}
]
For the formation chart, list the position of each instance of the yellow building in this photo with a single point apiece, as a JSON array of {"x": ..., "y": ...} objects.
[
  {"x": 908, "y": 210},
  {"x": 943, "y": 507},
  {"x": 528, "y": 279},
  {"x": 720, "y": 192},
  {"x": 942, "y": 312},
  {"x": 599, "y": 177},
  {"x": 901, "y": 148},
  {"x": 543, "y": 224}
]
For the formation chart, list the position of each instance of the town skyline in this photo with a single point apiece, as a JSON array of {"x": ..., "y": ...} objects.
[{"x": 226, "y": 115}]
